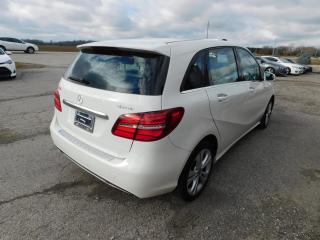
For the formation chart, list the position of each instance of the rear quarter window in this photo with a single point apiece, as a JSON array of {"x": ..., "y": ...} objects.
[{"x": 195, "y": 76}]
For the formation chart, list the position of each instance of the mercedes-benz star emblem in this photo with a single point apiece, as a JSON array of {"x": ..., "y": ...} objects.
[{"x": 79, "y": 99}]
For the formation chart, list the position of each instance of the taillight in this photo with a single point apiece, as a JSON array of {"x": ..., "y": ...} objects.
[
  {"x": 57, "y": 102},
  {"x": 148, "y": 126}
]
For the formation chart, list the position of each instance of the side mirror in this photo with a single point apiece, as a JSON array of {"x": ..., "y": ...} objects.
[
  {"x": 8, "y": 52},
  {"x": 268, "y": 76}
]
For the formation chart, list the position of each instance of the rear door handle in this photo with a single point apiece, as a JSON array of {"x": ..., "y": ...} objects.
[{"x": 222, "y": 97}]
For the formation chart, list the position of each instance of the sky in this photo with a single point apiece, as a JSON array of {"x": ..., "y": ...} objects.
[{"x": 250, "y": 22}]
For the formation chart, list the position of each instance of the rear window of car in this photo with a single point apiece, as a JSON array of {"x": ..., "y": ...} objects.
[{"x": 118, "y": 70}]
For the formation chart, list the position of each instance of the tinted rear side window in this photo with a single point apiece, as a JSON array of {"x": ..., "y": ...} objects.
[
  {"x": 196, "y": 74},
  {"x": 120, "y": 70},
  {"x": 222, "y": 66},
  {"x": 16, "y": 40}
]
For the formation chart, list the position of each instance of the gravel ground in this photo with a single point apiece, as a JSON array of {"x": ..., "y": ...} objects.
[
  {"x": 266, "y": 187},
  {"x": 300, "y": 93}
]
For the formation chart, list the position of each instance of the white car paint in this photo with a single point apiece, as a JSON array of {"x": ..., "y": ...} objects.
[
  {"x": 7, "y": 64},
  {"x": 295, "y": 69},
  {"x": 14, "y": 44},
  {"x": 147, "y": 169}
]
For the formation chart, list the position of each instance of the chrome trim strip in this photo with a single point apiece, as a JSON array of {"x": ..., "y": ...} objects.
[{"x": 84, "y": 109}]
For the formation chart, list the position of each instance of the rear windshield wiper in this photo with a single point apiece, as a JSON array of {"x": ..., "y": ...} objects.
[{"x": 80, "y": 80}]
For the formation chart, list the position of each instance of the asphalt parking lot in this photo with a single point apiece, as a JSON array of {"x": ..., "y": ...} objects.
[{"x": 266, "y": 187}]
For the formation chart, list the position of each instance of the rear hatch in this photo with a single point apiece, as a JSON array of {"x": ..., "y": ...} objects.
[{"x": 104, "y": 83}]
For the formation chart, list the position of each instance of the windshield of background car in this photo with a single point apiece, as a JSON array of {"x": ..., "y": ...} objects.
[
  {"x": 285, "y": 60},
  {"x": 120, "y": 70}
]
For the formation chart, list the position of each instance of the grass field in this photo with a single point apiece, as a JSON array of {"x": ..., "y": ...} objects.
[
  {"x": 57, "y": 48},
  {"x": 315, "y": 61},
  {"x": 21, "y": 65}
]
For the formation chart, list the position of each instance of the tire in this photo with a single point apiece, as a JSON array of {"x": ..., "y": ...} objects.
[
  {"x": 3, "y": 48},
  {"x": 266, "y": 116},
  {"x": 30, "y": 50},
  {"x": 197, "y": 171},
  {"x": 270, "y": 69},
  {"x": 288, "y": 70}
]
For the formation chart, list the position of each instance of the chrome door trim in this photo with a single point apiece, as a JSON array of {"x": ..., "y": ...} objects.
[{"x": 84, "y": 109}]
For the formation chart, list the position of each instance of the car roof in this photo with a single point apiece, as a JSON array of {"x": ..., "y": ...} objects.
[
  {"x": 269, "y": 56},
  {"x": 160, "y": 45}
]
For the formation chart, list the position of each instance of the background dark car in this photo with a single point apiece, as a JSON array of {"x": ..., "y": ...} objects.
[{"x": 273, "y": 67}]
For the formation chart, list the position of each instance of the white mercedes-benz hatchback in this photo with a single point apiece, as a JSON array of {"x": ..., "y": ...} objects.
[{"x": 149, "y": 116}]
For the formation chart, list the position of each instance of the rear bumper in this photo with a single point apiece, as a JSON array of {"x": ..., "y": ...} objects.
[{"x": 149, "y": 169}]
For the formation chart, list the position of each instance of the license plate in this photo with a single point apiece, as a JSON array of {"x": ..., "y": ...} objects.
[{"x": 84, "y": 121}]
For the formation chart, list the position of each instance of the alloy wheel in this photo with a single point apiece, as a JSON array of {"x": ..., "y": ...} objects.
[
  {"x": 268, "y": 113},
  {"x": 199, "y": 172},
  {"x": 271, "y": 70},
  {"x": 30, "y": 50},
  {"x": 287, "y": 71}
]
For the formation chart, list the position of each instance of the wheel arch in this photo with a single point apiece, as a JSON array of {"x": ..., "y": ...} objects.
[
  {"x": 213, "y": 141},
  {"x": 270, "y": 67},
  {"x": 30, "y": 47},
  {"x": 272, "y": 100},
  {"x": 211, "y": 138}
]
